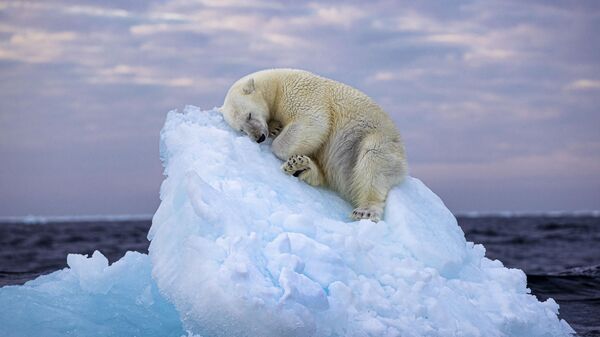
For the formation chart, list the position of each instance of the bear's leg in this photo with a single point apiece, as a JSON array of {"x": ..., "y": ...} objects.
[
  {"x": 299, "y": 138},
  {"x": 304, "y": 168},
  {"x": 379, "y": 166}
]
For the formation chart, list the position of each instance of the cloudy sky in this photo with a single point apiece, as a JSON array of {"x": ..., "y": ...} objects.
[{"x": 498, "y": 101}]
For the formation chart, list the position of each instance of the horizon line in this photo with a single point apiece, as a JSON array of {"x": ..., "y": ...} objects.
[{"x": 43, "y": 219}]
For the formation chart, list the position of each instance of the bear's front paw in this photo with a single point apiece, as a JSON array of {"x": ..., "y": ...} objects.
[
  {"x": 296, "y": 164},
  {"x": 275, "y": 128},
  {"x": 369, "y": 213}
]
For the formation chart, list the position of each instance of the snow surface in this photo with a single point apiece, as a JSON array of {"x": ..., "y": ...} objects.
[{"x": 240, "y": 249}]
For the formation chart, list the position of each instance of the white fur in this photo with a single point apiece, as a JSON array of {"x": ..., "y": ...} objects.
[{"x": 328, "y": 133}]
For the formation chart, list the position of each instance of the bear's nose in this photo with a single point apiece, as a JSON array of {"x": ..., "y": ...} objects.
[{"x": 262, "y": 138}]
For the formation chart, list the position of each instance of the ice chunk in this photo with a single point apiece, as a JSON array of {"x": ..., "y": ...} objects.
[
  {"x": 90, "y": 299},
  {"x": 242, "y": 249}
]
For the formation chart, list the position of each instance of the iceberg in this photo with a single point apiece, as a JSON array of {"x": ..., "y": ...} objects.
[
  {"x": 238, "y": 248},
  {"x": 242, "y": 249}
]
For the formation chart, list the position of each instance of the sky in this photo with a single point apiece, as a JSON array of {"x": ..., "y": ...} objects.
[{"x": 498, "y": 101}]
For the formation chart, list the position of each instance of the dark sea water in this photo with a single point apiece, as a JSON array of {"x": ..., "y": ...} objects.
[{"x": 560, "y": 254}]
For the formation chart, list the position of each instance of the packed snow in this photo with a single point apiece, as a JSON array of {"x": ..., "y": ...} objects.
[{"x": 238, "y": 248}]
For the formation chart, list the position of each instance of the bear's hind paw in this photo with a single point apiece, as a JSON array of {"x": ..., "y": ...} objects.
[{"x": 366, "y": 213}]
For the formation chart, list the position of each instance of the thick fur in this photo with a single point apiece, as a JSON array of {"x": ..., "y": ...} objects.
[{"x": 328, "y": 133}]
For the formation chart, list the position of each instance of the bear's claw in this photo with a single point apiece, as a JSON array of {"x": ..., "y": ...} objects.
[
  {"x": 366, "y": 213},
  {"x": 275, "y": 128},
  {"x": 296, "y": 164}
]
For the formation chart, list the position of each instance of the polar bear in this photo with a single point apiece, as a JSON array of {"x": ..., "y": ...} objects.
[{"x": 327, "y": 133}]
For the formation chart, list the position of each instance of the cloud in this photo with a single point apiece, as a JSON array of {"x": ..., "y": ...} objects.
[
  {"x": 382, "y": 76},
  {"x": 76, "y": 10},
  {"x": 405, "y": 74},
  {"x": 583, "y": 84},
  {"x": 35, "y": 46},
  {"x": 479, "y": 43},
  {"x": 236, "y": 4},
  {"x": 139, "y": 75},
  {"x": 337, "y": 15}
]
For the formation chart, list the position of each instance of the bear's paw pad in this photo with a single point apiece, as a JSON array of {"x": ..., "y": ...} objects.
[{"x": 296, "y": 164}]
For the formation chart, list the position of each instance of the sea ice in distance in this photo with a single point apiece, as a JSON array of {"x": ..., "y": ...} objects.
[{"x": 238, "y": 248}]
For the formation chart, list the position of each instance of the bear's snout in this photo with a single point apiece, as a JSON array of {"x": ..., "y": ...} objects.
[{"x": 256, "y": 130}]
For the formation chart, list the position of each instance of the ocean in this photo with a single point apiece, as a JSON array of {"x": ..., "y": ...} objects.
[{"x": 560, "y": 253}]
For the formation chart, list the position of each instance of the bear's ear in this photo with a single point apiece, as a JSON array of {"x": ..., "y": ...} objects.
[{"x": 249, "y": 87}]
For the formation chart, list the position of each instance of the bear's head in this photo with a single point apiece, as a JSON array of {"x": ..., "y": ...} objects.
[{"x": 245, "y": 109}]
